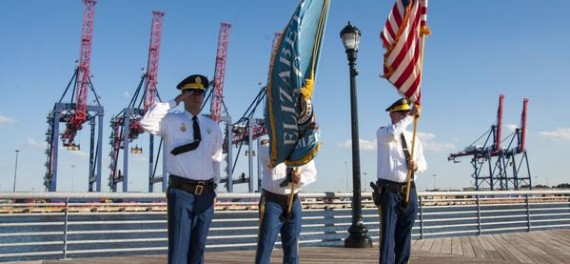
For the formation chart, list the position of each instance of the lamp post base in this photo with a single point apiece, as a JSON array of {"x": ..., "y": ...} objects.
[{"x": 358, "y": 237}]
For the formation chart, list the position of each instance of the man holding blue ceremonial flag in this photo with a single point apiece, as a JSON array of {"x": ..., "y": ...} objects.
[
  {"x": 289, "y": 117},
  {"x": 292, "y": 128}
]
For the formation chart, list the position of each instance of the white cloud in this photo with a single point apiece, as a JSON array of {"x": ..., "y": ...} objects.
[
  {"x": 36, "y": 144},
  {"x": 127, "y": 94},
  {"x": 510, "y": 127},
  {"x": 365, "y": 145},
  {"x": 558, "y": 134},
  {"x": 428, "y": 142},
  {"x": 141, "y": 159},
  {"x": 430, "y": 145},
  {"x": 81, "y": 154},
  {"x": 6, "y": 120}
]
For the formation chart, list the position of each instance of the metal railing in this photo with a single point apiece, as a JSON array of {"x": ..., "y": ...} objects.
[{"x": 70, "y": 225}]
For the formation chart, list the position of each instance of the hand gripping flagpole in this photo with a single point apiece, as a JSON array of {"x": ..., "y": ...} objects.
[
  {"x": 291, "y": 195},
  {"x": 423, "y": 31}
]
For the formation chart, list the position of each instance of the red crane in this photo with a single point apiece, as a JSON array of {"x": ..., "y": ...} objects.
[
  {"x": 77, "y": 112},
  {"x": 220, "y": 72},
  {"x": 151, "y": 73},
  {"x": 126, "y": 125},
  {"x": 498, "y": 128},
  {"x": 522, "y": 138},
  {"x": 152, "y": 66},
  {"x": 496, "y": 166},
  {"x": 82, "y": 82}
]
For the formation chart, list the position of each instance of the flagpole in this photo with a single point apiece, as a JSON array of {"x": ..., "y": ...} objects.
[
  {"x": 409, "y": 182},
  {"x": 423, "y": 31},
  {"x": 291, "y": 194}
]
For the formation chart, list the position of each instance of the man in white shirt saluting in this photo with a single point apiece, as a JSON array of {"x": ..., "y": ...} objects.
[{"x": 193, "y": 147}]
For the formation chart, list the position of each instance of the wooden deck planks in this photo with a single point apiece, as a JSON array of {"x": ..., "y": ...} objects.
[
  {"x": 513, "y": 248},
  {"x": 426, "y": 246},
  {"x": 549, "y": 246},
  {"x": 456, "y": 247},
  {"x": 559, "y": 245},
  {"x": 477, "y": 247},
  {"x": 446, "y": 245},
  {"x": 534, "y": 247},
  {"x": 467, "y": 248}
]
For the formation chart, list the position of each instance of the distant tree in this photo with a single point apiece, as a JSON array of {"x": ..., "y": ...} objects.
[{"x": 563, "y": 186}]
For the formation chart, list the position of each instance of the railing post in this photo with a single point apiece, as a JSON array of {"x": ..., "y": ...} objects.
[
  {"x": 65, "y": 228},
  {"x": 421, "y": 218},
  {"x": 479, "y": 227},
  {"x": 528, "y": 213}
]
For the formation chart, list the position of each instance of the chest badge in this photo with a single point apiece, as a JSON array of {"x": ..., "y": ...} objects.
[
  {"x": 183, "y": 127},
  {"x": 209, "y": 131}
]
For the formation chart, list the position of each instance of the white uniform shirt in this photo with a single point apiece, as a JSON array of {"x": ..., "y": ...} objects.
[
  {"x": 392, "y": 163},
  {"x": 272, "y": 178},
  {"x": 176, "y": 130}
]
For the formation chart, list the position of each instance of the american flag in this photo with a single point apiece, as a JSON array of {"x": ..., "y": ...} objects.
[{"x": 405, "y": 26}]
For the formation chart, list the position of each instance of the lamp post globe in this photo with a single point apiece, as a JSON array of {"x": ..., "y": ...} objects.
[
  {"x": 350, "y": 36},
  {"x": 358, "y": 233}
]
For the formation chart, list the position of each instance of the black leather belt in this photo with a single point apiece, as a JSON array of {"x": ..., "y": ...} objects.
[
  {"x": 395, "y": 187},
  {"x": 192, "y": 186},
  {"x": 281, "y": 198}
]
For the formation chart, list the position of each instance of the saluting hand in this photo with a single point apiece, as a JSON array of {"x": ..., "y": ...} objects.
[{"x": 181, "y": 97}]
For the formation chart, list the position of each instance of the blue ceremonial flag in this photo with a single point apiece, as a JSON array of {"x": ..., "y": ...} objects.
[{"x": 289, "y": 117}]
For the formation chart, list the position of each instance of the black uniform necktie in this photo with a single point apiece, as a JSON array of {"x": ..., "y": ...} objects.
[{"x": 193, "y": 145}]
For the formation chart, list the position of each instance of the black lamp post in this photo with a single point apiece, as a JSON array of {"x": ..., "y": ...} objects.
[{"x": 358, "y": 233}]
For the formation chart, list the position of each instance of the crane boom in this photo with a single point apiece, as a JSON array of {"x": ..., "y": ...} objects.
[
  {"x": 83, "y": 71},
  {"x": 153, "y": 55},
  {"x": 522, "y": 142},
  {"x": 497, "y": 145},
  {"x": 220, "y": 72}
]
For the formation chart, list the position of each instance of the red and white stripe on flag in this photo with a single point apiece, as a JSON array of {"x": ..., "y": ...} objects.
[{"x": 401, "y": 37}]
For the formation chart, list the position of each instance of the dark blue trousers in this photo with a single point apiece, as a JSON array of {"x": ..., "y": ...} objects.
[
  {"x": 189, "y": 219},
  {"x": 396, "y": 226},
  {"x": 273, "y": 223}
]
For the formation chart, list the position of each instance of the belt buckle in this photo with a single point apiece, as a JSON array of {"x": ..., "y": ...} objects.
[
  {"x": 199, "y": 188},
  {"x": 404, "y": 188}
]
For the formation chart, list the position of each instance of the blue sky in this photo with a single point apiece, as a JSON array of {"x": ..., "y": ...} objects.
[{"x": 477, "y": 50}]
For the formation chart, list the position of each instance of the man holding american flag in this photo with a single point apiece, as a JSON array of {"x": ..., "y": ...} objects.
[
  {"x": 395, "y": 163},
  {"x": 403, "y": 38}
]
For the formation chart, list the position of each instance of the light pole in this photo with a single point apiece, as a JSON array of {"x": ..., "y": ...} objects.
[
  {"x": 358, "y": 233},
  {"x": 434, "y": 182},
  {"x": 15, "y": 171},
  {"x": 72, "y": 177},
  {"x": 346, "y": 174}
]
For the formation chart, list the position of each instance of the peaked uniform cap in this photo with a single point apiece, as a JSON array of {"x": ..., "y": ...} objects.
[
  {"x": 400, "y": 105},
  {"x": 195, "y": 81}
]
